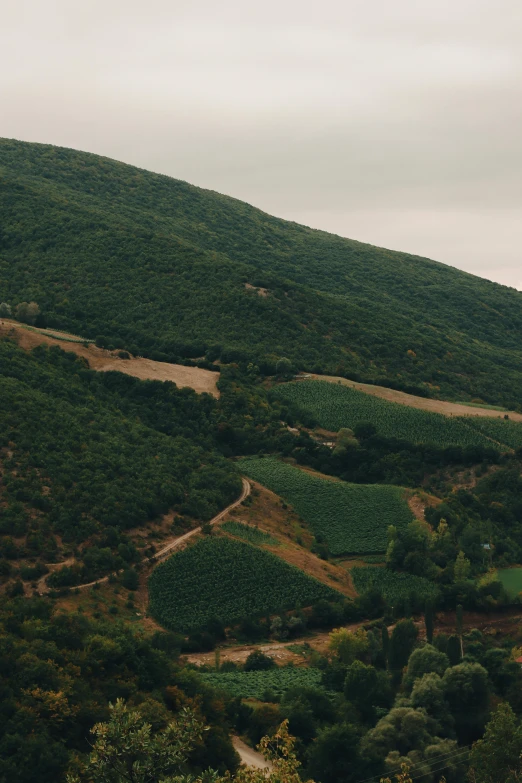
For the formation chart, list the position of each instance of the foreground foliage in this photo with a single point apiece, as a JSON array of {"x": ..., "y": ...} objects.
[
  {"x": 352, "y": 519},
  {"x": 59, "y": 672},
  {"x": 221, "y": 577}
]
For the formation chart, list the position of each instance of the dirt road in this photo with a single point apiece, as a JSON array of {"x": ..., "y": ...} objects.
[
  {"x": 175, "y": 543},
  {"x": 249, "y": 756},
  {"x": 422, "y": 403}
]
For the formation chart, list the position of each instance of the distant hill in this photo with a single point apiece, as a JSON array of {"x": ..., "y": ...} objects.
[{"x": 172, "y": 271}]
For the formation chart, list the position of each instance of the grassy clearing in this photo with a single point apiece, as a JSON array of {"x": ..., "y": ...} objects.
[
  {"x": 335, "y": 406},
  {"x": 253, "y": 685},
  {"x": 352, "y": 518},
  {"x": 249, "y": 533},
  {"x": 221, "y": 577},
  {"x": 393, "y": 586},
  {"x": 511, "y": 578}
]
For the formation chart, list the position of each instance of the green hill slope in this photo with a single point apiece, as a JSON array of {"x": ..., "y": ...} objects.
[
  {"x": 86, "y": 456},
  {"x": 161, "y": 266}
]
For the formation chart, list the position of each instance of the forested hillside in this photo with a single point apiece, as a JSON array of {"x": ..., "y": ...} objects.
[
  {"x": 86, "y": 456},
  {"x": 163, "y": 268}
]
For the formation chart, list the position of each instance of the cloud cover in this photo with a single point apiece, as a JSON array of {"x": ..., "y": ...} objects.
[{"x": 394, "y": 123}]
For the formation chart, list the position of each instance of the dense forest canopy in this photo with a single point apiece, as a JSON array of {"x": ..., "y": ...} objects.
[{"x": 162, "y": 267}]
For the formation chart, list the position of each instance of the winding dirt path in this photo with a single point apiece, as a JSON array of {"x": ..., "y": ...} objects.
[
  {"x": 249, "y": 756},
  {"x": 172, "y": 544}
]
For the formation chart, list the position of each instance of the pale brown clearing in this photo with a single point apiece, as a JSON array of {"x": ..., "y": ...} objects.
[
  {"x": 493, "y": 624},
  {"x": 418, "y": 501},
  {"x": 281, "y": 652},
  {"x": 266, "y": 512},
  {"x": 99, "y": 359},
  {"x": 423, "y": 403},
  {"x": 249, "y": 756}
]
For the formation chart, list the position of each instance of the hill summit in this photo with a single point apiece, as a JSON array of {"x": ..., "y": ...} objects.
[{"x": 171, "y": 271}]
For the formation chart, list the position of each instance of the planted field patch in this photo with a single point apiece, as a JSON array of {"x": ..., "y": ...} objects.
[
  {"x": 504, "y": 431},
  {"x": 352, "y": 518},
  {"x": 335, "y": 406},
  {"x": 253, "y": 685},
  {"x": 221, "y": 577},
  {"x": 511, "y": 578},
  {"x": 393, "y": 586},
  {"x": 249, "y": 533}
]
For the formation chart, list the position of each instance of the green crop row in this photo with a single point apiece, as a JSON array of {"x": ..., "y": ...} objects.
[
  {"x": 394, "y": 586},
  {"x": 335, "y": 406},
  {"x": 253, "y": 685},
  {"x": 224, "y": 578},
  {"x": 503, "y": 431},
  {"x": 249, "y": 533},
  {"x": 352, "y": 518}
]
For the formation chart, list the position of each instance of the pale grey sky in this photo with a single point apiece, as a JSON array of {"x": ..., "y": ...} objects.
[{"x": 396, "y": 123}]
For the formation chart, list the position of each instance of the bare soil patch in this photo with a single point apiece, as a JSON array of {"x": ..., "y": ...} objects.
[
  {"x": 423, "y": 403},
  {"x": 99, "y": 359},
  {"x": 266, "y": 512},
  {"x": 419, "y": 501}
]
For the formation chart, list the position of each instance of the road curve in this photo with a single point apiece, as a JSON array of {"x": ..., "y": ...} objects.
[
  {"x": 174, "y": 544},
  {"x": 250, "y": 757}
]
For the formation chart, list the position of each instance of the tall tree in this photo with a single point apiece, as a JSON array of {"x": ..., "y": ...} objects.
[{"x": 496, "y": 758}]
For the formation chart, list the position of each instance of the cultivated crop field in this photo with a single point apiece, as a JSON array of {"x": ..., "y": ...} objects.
[
  {"x": 250, "y": 534},
  {"x": 393, "y": 586},
  {"x": 253, "y": 685},
  {"x": 335, "y": 406},
  {"x": 221, "y": 577},
  {"x": 509, "y": 433},
  {"x": 353, "y": 518}
]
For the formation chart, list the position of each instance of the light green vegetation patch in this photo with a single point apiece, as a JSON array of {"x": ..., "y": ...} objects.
[
  {"x": 394, "y": 586},
  {"x": 335, "y": 406},
  {"x": 504, "y": 431},
  {"x": 353, "y": 518},
  {"x": 221, "y": 577},
  {"x": 253, "y": 685},
  {"x": 253, "y": 535},
  {"x": 511, "y": 578}
]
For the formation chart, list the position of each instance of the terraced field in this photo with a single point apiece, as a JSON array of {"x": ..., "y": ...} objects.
[
  {"x": 221, "y": 577},
  {"x": 249, "y": 533},
  {"x": 335, "y": 406},
  {"x": 394, "y": 586},
  {"x": 352, "y": 518},
  {"x": 253, "y": 685}
]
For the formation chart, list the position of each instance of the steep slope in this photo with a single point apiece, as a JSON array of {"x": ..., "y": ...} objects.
[{"x": 160, "y": 265}]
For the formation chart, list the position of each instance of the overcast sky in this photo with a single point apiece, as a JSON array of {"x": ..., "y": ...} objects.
[{"x": 396, "y": 122}]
